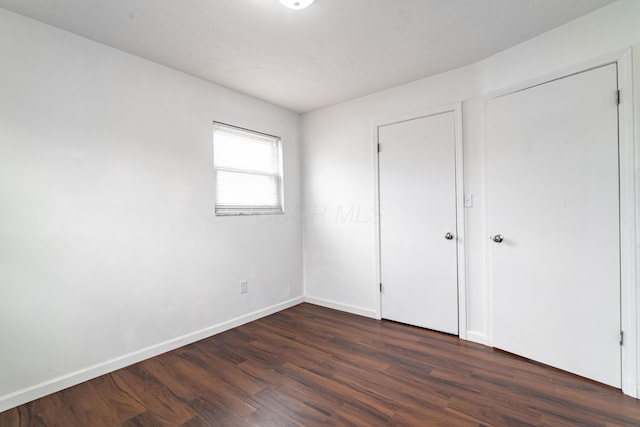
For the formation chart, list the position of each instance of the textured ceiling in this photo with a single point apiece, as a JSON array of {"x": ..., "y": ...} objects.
[{"x": 303, "y": 60}]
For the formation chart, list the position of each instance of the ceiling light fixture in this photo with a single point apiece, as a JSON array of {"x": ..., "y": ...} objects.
[{"x": 296, "y": 4}]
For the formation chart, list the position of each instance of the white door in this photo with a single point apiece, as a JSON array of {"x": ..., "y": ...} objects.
[
  {"x": 553, "y": 197},
  {"x": 418, "y": 222}
]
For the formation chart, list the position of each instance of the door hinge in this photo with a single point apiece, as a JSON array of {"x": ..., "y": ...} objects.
[
  {"x": 618, "y": 98},
  {"x": 380, "y": 287},
  {"x": 621, "y": 338},
  {"x": 379, "y": 147}
]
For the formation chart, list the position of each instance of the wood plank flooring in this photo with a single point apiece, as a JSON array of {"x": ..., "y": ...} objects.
[{"x": 311, "y": 366}]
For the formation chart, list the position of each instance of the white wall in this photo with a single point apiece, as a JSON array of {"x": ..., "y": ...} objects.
[
  {"x": 109, "y": 249},
  {"x": 338, "y": 163},
  {"x": 339, "y": 231}
]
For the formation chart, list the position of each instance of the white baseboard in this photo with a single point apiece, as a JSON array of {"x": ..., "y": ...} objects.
[
  {"x": 631, "y": 388},
  {"x": 342, "y": 307},
  {"x": 477, "y": 337},
  {"x": 37, "y": 391}
]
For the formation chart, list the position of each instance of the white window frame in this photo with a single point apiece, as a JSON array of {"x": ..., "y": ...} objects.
[{"x": 249, "y": 209}]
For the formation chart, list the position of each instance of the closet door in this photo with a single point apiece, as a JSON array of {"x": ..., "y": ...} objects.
[
  {"x": 553, "y": 206},
  {"x": 418, "y": 245}
]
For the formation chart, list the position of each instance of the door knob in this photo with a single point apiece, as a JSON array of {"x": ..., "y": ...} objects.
[
  {"x": 498, "y": 238},
  {"x": 448, "y": 236}
]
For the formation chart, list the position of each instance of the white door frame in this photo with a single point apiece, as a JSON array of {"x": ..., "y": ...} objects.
[
  {"x": 628, "y": 206},
  {"x": 460, "y": 235}
]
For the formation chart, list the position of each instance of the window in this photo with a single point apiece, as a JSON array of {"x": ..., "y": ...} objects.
[{"x": 248, "y": 171}]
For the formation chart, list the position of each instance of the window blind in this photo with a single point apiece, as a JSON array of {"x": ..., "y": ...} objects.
[{"x": 248, "y": 171}]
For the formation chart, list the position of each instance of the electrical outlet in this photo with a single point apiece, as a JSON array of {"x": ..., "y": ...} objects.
[{"x": 243, "y": 287}]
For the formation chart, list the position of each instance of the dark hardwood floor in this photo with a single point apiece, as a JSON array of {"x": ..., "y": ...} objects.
[{"x": 310, "y": 366}]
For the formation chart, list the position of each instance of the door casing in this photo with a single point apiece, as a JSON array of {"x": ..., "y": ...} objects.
[
  {"x": 456, "y": 109},
  {"x": 628, "y": 148}
]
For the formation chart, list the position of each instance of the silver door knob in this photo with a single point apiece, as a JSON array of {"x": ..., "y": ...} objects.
[
  {"x": 448, "y": 236},
  {"x": 498, "y": 238}
]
